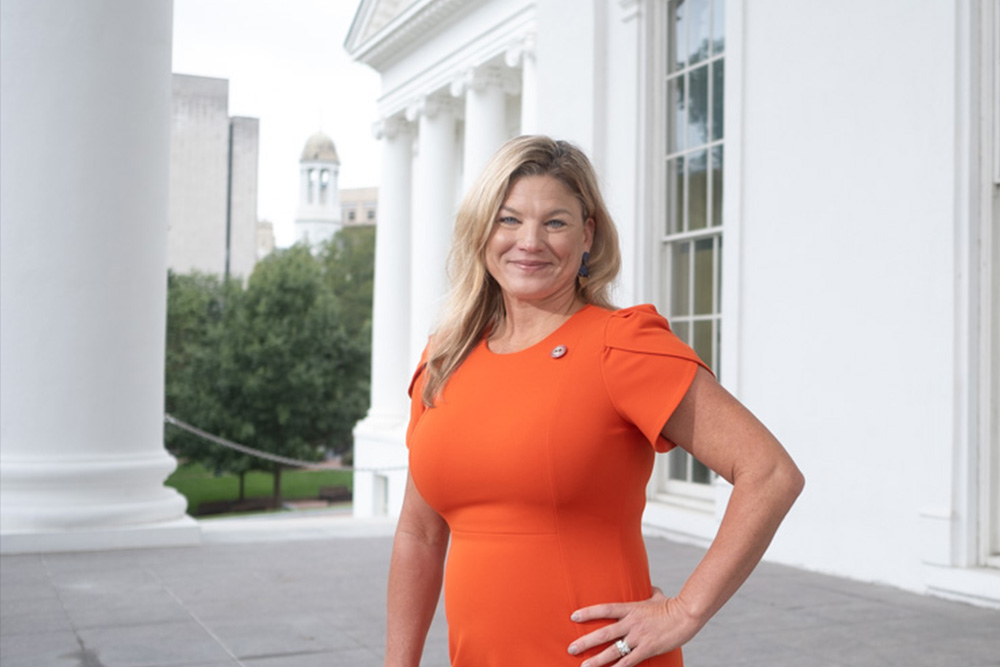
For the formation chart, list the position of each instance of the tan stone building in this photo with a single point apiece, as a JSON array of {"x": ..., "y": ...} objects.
[{"x": 359, "y": 206}]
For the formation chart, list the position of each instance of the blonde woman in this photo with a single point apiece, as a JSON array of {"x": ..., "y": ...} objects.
[{"x": 536, "y": 415}]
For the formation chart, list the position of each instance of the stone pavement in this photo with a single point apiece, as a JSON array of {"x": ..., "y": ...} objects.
[{"x": 268, "y": 600}]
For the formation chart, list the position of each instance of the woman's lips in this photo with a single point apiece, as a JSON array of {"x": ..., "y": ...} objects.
[{"x": 529, "y": 265}]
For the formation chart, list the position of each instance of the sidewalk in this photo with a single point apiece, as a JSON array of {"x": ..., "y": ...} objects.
[{"x": 281, "y": 602}]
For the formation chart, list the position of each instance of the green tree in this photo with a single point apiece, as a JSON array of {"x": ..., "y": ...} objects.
[
  {"x": 198, "y": 309},
  {"x": 278, "y": 369},
  {"x": 349, "y": 267}
]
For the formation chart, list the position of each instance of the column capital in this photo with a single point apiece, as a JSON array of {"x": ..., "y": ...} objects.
[
  {"x": 432, "y": 105},
  {"x": 390, "y": 127},
  {"x": 521, "y": 50},
  {"x": 483, "y": 77}
]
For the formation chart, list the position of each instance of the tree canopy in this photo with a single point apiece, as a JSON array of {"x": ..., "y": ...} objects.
[{"x": 281, "y": 365}]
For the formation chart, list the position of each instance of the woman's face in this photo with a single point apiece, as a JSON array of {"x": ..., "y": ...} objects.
[{"x": 538, "y": 239}]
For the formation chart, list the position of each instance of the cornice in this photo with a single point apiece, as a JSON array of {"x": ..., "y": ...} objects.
[
  {"x": 408, "y": 28},
  {"x": 485, "y": 76},
  {"x": 433, "y": 105}
]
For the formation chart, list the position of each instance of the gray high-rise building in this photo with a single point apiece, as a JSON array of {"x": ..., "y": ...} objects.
[{"x": 213, "y": 181}]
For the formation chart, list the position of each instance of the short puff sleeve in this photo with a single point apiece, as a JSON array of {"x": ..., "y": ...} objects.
[
  {"x": 416, "y": 392},
  {"x": 647, "y": 370}
]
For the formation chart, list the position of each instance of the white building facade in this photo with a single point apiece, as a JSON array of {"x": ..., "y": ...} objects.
[{"x": 816, "y": 212}]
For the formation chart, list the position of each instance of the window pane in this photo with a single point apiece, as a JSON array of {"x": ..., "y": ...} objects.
[
  {"x": 675, "y": 195},
  {"x": 682, "y": 329},
  {"x": 700, "y": 473},
  {"x": 704, "y": 341},
  {"x": 697, "y": 106},
  {"x": 704, "y": 277},
  {"x": 676, "y": 119},
  {"x": 698, "y": 30},
  {"x": 680, "y": 278},
  {"x": 677, "y": 29},
  {"x": 717, "y": 186},
  {"x": 718, "y": 26},
  {"x": 697, "y": 191},
  {"x": 718, "y": 97}
]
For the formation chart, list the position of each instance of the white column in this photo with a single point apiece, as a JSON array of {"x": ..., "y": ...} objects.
[
  {"x": 85, "y": 102},
  {"x": 523, "y": 54},
  {"x": 391, "y": 368},
  {"x": 378, "y": 440},
  {"x": 485, "y": 90},
  {"x": 434, "y": 207}
]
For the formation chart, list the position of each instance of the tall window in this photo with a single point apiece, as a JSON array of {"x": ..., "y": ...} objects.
[{"x": 690, "y": 235}]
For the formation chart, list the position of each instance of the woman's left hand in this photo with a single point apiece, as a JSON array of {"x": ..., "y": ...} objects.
[{"x": 651, "y": 627}]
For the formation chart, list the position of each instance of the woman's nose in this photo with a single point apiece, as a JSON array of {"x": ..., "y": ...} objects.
[{"x": 530, "y": 237}]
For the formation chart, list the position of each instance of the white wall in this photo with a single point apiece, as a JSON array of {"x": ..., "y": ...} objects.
[{"x": 848, "y": 270}]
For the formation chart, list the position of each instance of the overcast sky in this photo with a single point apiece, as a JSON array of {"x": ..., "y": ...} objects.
[{"x": 286, "y": 65}]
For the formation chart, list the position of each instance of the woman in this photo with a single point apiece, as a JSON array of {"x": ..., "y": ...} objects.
[{"x": 535, "y": 415}]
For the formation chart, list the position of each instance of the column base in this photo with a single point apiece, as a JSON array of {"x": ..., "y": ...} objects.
[
  {"x": 184, "y": 532},
  {"x": 96, "y": 495},
  {"x": 381, "y": 457}
]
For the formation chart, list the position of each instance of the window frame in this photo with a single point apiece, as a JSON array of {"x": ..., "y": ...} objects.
[{"x": 686, "y": 493}]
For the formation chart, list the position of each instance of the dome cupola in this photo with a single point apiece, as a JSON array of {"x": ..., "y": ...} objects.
[{"x": 319, "y": 148}]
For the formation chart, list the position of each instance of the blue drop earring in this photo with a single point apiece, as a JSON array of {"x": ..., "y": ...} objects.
[{"x": 584, "y": 271}]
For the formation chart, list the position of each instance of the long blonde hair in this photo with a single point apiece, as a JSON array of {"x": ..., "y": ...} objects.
[{"x": 475, "y": 303}]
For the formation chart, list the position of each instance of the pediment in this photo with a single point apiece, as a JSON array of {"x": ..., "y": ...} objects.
[
  {"x": 384, "y": 29},
  {"x": 372, "y": 16}
]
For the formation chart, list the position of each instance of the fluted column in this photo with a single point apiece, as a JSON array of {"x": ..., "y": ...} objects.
[
  {"x": 523, "y": 54},
  {"x": 485, "y": 90},
  {"x": 434, "y": 205},
  {"x": 85, "y": 102}
]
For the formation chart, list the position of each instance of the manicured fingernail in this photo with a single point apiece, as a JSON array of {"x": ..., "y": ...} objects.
[
  {"x": 575, "y": 616},
  {"x": 573, "y": 650}
]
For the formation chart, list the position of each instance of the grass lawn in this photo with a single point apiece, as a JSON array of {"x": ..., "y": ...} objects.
[{"x": 199, "y": 485}]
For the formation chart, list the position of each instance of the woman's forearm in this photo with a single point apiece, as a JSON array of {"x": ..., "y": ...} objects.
[
  {"x": 415, "y": 575},
  {"x": 759, "y": 501}
]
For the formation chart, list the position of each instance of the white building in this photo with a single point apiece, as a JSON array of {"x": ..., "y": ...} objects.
[
  {"x": 318, "y": 217},
  {"x": 213, "y": 181},
  {"x": 809, "y": 191}
]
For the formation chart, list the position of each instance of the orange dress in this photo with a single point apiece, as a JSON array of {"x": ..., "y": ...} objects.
[{"x": 539, "y": 463}]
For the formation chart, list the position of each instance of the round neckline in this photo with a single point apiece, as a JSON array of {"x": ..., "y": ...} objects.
[{"x": 484, "y": 343}]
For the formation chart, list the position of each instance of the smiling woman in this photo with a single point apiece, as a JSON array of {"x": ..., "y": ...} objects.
[
  {"x": 537, "y": 244},
  {"x": 535, "y": 418}
]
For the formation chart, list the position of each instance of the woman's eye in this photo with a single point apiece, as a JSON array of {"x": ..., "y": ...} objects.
[
  {"x": 555, "y": 224},
  {"x": 507, "y": 220}
]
